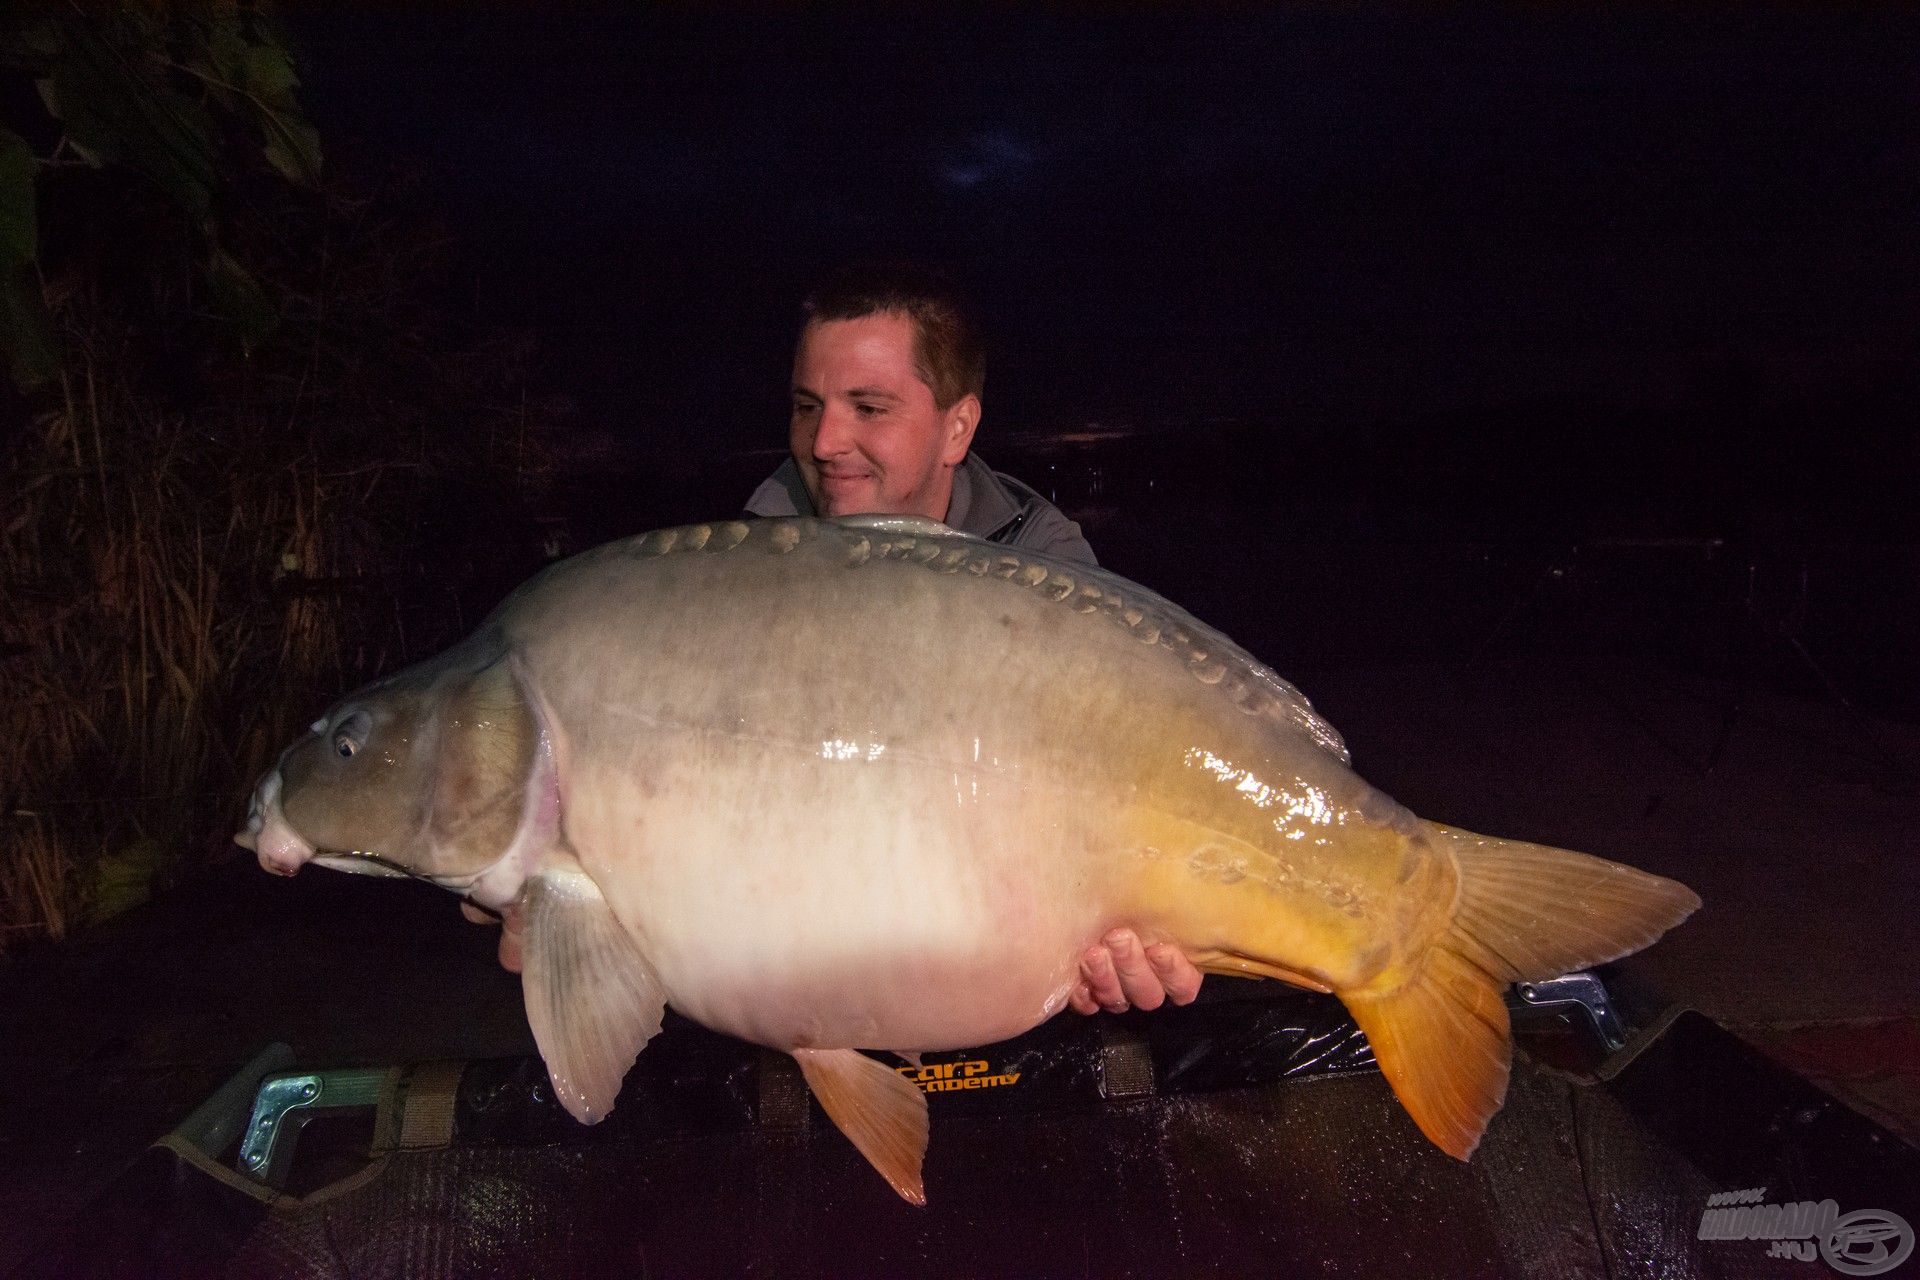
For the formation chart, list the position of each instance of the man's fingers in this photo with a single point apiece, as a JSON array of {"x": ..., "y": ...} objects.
[
  {"x": 1175, "y": 973},
  {"x": 510, "y": 938},
  {"x": 1139, "y": 982},
  {"x": 509, "y": 935},
  {"x": 1119, "y": 973},
  {"x": 1102, "y": 983}
]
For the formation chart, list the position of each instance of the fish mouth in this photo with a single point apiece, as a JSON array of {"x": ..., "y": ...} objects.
[
  {"x": 281, "y": 849},
  {"x": 360, "y": 862}
]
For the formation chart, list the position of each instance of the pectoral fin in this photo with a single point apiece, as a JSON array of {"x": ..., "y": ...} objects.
[
  {"x": 592, "y": 1000},
  {"x": 880, "y": 1111}
]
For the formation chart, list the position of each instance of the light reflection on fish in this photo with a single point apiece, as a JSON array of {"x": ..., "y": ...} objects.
[{"x": 872, "y": 784}]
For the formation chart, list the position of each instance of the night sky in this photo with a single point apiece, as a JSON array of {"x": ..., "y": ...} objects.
[{"x": 1481, "y": 249}]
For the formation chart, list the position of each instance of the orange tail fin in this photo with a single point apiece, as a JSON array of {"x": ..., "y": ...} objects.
[{"x": 1526, "y": 912}]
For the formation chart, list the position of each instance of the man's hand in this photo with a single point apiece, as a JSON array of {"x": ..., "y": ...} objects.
[
  {"x": 509, "y": 934},
  {"x": 1119, "y": 973}
]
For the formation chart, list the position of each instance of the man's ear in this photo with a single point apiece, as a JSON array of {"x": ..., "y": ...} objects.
[{"x": 960, "y": 420}]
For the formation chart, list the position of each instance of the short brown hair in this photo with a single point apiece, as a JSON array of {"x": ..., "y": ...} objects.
[{"x": 947, "y": 352}]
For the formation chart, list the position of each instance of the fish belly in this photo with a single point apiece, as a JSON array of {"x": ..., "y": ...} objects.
[{"x": 807, "y": 901}]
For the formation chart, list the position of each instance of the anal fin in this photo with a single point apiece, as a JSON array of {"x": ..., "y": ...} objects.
[
  {"x": 1441, "y": 1041},
  {"x": 1236, "y": 966},
  {"x": 592, "y": 1000},
  {"x": 881, "y": 1112}
]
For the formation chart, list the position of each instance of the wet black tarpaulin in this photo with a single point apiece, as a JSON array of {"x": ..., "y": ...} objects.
[{"x": 1134, "y": 1147}]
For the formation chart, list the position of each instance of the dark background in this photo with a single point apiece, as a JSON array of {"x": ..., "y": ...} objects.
[
  {"x": 1535, "y": 385},
  {"x": 1360, "y": 331}
]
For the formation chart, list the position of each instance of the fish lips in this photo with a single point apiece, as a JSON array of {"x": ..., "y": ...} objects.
[{"x": 279, "y": 847}]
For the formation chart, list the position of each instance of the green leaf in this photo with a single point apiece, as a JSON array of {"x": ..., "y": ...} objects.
[
  {"x": 111, "y": 113},
  {"x": 173, "y": 143},
  {"x": 31, "y": 46},
  {"x": 125, "y": 879},
  {"x": 228, "y": 53},
  {"x": 84, "y": 133},
  {"x": 270, "y": 73},
  {"x": 238, "y": 297},
  {"x": 294, "y": 149},
  {"x": 26, "y": 331},
  {"x": 19, "y": 229},
  {"x": 214, "y": 84},
  {"x": 292, "y": 145}
]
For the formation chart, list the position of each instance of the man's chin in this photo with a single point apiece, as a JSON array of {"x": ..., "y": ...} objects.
[{"x": 858, "y": 500}]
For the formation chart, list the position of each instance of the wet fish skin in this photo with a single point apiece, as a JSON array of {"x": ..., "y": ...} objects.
[{"x": 830, "y": 785}]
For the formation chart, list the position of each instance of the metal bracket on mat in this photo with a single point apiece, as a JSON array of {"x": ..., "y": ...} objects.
[
  {"x": 286, "y": 1101},
  {"x": 1576, "y": 992}
]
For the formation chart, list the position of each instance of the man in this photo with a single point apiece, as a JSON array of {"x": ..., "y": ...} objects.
[{"x": 887, "y": 380}]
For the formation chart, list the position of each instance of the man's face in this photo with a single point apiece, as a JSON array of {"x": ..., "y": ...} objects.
[{"x": 865, "y": 432}]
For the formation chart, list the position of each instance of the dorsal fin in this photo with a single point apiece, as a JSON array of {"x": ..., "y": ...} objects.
[{"x": 920, "y": 525}]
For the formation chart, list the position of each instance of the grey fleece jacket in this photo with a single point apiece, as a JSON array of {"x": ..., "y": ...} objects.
[{"x": 986, "y": 503}]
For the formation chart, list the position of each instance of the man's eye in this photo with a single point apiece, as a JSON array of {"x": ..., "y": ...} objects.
[
  {"x": 802, "y": 408},
  {"x": 869, "y": 410}
]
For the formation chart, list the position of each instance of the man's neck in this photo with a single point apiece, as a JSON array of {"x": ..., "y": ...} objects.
[{"x": 953, "y": 503}]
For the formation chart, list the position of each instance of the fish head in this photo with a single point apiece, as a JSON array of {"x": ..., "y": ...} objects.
[{"x": 428, "y": 773}]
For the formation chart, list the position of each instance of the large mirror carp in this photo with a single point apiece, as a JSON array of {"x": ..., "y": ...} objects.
[{"x": 868, "y": 783}]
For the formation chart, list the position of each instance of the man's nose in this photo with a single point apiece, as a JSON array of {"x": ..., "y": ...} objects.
[{"x": 835, "y": 435}]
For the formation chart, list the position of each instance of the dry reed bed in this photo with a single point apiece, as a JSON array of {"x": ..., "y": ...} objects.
[
  {"x": 183, "y": 579},
  {"x": 150, "y": 653}
]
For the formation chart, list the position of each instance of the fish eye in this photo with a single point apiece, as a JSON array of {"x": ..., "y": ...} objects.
[{"x": 350, "y": 735}]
